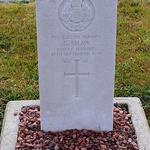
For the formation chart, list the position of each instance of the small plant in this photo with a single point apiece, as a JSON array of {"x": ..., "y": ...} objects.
[
  {"x": 21, "y": 1},
  {"x": 5, "y": 43}
]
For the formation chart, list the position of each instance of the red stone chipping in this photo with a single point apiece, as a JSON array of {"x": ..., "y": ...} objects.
[{"x": 30, "y": 137}]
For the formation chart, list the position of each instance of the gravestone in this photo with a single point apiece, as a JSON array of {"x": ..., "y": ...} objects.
[{"x": 76, "y": 49}]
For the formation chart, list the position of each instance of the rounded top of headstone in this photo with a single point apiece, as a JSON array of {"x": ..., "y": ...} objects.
[{"x": 76, "y": 15}]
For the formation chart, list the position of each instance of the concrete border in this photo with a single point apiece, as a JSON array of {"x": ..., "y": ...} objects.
[
  {"x": 10, "y": 122},
  {"x": 139, "y": 120}
]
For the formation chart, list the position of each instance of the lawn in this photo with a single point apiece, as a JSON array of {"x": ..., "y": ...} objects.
[{"x": 18, "y": 53}]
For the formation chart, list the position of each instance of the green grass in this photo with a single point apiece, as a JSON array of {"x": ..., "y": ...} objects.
[
  {"x": 18, "y": 53},
  {"x": 133, "y": 51}
]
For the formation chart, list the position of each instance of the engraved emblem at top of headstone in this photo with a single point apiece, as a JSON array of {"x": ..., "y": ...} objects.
[{"x": 76, "y": 15}]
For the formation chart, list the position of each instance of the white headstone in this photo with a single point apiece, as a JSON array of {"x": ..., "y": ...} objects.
[{"x": 76, "y": 47}]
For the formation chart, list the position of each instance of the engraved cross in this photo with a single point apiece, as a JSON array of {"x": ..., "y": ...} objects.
[{"x": 77, "y": 74}]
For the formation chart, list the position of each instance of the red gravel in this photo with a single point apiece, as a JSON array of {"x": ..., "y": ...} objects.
[{"x": 30, "y": 137}]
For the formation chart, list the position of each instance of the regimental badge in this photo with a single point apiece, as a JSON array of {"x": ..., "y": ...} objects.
[{"x": 76, "y": 15}]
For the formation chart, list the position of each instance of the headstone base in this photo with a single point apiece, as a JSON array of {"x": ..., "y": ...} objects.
[{"x": 11, "y": 120}]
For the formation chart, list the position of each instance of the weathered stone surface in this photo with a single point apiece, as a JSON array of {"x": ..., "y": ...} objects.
[
  {"x": 11, "y": 120},
  {"x": 76, "y": 47}
]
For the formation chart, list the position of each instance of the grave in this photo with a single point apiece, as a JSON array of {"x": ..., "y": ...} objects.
[
  {"x": 11, "y": 122},
  {"x": 76, "y": 48}
]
